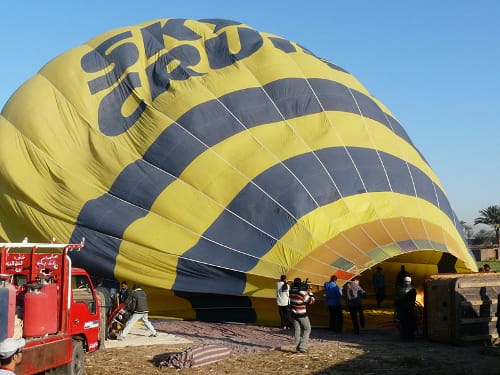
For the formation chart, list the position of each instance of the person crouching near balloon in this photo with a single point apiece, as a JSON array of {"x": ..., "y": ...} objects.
[{"x": 300, "y": 297}]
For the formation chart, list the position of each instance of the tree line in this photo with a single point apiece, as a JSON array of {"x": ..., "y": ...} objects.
[{"x": 489, "y": 216}]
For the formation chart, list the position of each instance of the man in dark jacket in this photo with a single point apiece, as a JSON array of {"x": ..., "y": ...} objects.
[
  {"x": 379, "y": 285},
  {"x": 354, "y": 294},
  {"x": 141, "y": 310},
  {"x": 401, "y": 277},
  {"x": 124, "y": 292}
]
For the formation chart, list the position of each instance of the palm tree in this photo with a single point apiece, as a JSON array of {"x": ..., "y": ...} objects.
[{"x": 490, "y": 216}]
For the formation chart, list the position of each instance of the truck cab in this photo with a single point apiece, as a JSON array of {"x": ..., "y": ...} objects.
[{"x": 49, "y": 303}]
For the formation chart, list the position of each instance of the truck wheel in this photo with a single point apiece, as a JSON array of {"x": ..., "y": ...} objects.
[{"x": 77, "y": 365}]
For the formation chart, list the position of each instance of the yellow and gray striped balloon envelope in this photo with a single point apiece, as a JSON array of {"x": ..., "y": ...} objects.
[{"x": 203, "y": 159}]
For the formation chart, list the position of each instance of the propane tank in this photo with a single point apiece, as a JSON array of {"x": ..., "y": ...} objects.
[
  {"x": 40, "y": 310},
  {"x": 7, "y": 307}
]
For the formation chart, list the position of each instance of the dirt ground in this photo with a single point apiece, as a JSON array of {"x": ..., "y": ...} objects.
[{"x": 269, "y": 350}]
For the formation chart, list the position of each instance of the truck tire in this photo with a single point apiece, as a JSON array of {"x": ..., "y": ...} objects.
[{"x": 77, "y": 365}]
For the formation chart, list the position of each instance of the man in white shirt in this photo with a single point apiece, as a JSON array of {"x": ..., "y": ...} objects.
[{"x": 283, "y": 300}]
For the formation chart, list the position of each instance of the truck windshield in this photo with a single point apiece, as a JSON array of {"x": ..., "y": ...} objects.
[{"x": 80, "y": 286}]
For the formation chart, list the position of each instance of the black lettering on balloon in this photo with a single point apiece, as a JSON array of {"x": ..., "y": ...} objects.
[
  {"x": 305, "y": 50},
  {"x": 333, "y": 66},
  {"x": 121, "y": 58},
  {"x": 110, "y": 118},
  {"x": 283, "y": 45},
  {"x": 178, "y": 30},
  {"x": 152, "y": 35},
  {"x": 218, "y": 52},
  {"x": 158, "y": 76},
  {"x": 220, "y": 23}
]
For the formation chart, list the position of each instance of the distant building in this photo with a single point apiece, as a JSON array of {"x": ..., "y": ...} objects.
[{"x": 483, "y": 254}]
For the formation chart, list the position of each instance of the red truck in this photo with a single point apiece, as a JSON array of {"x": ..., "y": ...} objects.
[{"x": 49, "y": 303}]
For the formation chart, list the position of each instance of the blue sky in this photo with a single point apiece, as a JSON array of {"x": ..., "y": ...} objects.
[{"x": 434, "y": 64}]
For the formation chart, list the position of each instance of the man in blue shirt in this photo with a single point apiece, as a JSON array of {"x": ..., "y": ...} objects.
[{"x": 333, "y": 294}]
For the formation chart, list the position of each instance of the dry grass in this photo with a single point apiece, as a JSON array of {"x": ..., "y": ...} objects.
[
  {"x": 373, "y": 357},
  {"x": 266, "y": 350}
]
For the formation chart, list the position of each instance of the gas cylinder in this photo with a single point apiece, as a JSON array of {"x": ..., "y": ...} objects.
[
  {"x": 7, "y": 308},
  {"x": 40, "y": 310}
]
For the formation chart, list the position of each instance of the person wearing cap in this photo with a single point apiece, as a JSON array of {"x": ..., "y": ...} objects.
[
  {"x": 405, "y": 307},
  {"x": 11, "y": 351}
]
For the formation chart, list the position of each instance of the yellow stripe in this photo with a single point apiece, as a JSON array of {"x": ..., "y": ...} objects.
[
  {"x": 390, "y": 207},
  {"x": 209, "y": 183},
  {"x": 51, "y": 206},
  {"x": 166, "y": 304},
  {"x": 224, "y": 170}
]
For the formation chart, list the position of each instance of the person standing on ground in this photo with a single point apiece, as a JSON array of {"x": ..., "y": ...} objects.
[
  {"x": 399, "y": 284},
  {"x": 405, "y": 307},
  {"x": 141, "y": 310},
  {"x": 379, "y": 285},
  {"x": 300, "y": 297},
  {"x": 283, "y": 301},
  {"x": 107, "y": 296},
  {"x": 106, "y": 306},
  {"x": 11, "y": 354},
  {"x": 124, "y": 291},
  {"x": 353, "y": 296},
  {"x": 333, "y": 300}
]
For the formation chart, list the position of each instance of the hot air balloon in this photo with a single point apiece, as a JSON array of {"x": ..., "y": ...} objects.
[{"x": 203, "y": 159}]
